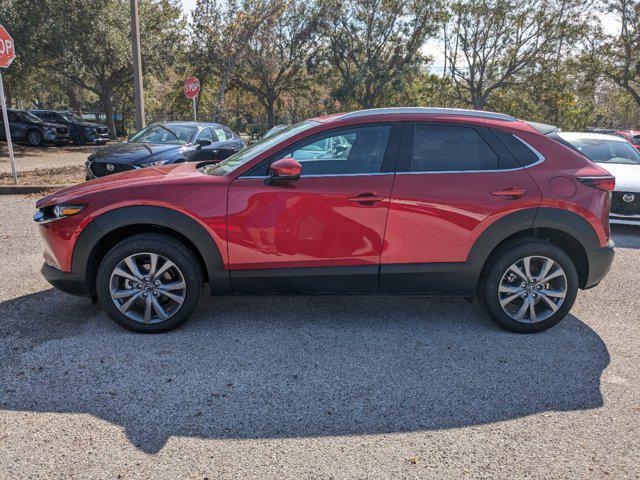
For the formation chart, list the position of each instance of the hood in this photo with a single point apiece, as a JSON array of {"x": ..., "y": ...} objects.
[
  {"x": 164, "y": 176},
  {"x": 129, "y": 152},
  {"x": 627, "y": 176},
  {"x": 88, "y": 124}
]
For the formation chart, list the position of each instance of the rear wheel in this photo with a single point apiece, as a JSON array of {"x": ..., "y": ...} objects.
[
  {"x": 531, "y": 287},
  {"x": 149, "y": 283}
]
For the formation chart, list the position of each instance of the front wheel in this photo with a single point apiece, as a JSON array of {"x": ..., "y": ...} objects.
[
  {"x": 531, "y": 287},
  {"x": 35, "y": 138},
  {"x": 149, "y": 283}
]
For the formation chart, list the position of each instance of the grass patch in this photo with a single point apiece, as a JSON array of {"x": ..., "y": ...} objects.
[{"x": 47, "y": 176}]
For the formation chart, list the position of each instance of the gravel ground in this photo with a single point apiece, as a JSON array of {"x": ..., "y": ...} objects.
[
  {"x": 28, "y": 158},
  {"x": 310, "y": 387}
]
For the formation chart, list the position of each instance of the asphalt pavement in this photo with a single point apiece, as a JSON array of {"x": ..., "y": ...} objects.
[{"x": 314, "y": 387}]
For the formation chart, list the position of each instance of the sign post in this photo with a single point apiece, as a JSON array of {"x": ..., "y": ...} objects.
[
  {"x": 191, "y": 90},
  {"x": 7, "y": 54}
]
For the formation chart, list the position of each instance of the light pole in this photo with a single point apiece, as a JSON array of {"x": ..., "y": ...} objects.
[{"x": 137, "y": 66}]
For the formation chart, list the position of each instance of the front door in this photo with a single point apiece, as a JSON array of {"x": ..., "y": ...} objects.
[{"x": 323, "y": 232}]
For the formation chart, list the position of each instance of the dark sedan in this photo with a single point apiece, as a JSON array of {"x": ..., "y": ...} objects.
[
  {"x": 165, "y": 143},
  {"x": 82, "y": 132}
]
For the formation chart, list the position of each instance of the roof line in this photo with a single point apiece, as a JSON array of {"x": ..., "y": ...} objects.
[{"x": 429, "y": 111}]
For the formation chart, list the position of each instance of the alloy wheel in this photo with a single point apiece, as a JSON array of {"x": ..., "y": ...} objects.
[
  {"x": 147, "y": 288},
  {"x": 532, "y": 289}
]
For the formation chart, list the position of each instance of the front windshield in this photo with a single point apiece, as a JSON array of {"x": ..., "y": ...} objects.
[
  {"x": 607, "y": 151},
  {"x": 251, "y": 152},
  {"x": 71, "y": 117},
  {"x": 29, "y": 116},
  {"x": 172, "y": 133}
]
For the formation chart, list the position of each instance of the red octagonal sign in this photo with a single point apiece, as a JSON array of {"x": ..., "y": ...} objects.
[
  {"x": 7, "y": 50},
  {"x": 192, "y": 87}
]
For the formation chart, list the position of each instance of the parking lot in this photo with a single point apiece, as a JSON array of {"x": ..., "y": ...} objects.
[{"x": 314, "y": 387}]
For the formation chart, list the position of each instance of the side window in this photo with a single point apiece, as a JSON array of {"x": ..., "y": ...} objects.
[
  {"x": 635, "y": 140},
  {"x": 205, "y": 134},
  {"x": 220, "y": 134},
  {"x": 357, "y": 150},
  {"x": 442, "y": 148},
  {"x": 228, "y": 133},
  {"x": 519, "y": 150}
]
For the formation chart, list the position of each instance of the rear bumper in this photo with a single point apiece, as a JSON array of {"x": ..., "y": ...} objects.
[
  {"x": 67, "y": 282},
  {"x": 600, "y": 261}
]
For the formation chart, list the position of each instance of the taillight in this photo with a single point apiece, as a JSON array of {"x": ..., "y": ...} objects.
[{"x": 606, "y": 183}]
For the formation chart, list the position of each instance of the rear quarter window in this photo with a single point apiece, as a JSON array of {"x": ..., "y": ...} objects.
[{"x": 524, "y": 154}]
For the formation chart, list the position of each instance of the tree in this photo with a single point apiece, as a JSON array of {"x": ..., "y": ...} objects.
[
  {"x": 374, "y": 44},
  {"x": 494, "y": 44},
  {"x": 620, "y": 53},
  {"x": 275, "y": 57},
  {"x": 88, "y": 43},
  {"x": 221, "y": 32}
]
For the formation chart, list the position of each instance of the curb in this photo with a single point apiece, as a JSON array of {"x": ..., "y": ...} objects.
[{"x": 22, "y": 189}]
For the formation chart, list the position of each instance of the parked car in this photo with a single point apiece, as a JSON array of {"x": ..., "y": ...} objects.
[
  {"x": 163, "y": 144},
  {"x": 424, "y": 201},
  {"x": 82, "y": 132},
  {"x": 28, "y": 128},
  {"x": 621, "y": 160},
  {"x": 631, "y": 136}
]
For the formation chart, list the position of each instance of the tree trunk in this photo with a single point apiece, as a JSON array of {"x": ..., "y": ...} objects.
[
  {"x": 271, "y": 117},
  {"x": 221, "y": 91},
  {"x": 106, "y": 101}
]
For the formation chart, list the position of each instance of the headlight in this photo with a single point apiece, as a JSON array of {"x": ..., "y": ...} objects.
[
  {"x": 52, "y": 213},
  {"x": 155, "y": 163}
]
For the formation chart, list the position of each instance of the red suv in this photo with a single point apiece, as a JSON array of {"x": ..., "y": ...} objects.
[{"x": 423, "y": 201}]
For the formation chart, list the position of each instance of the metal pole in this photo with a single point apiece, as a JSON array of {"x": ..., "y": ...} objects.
[
  {"x": 137, "y": 66},
  {"x": 7, "y": 131},
  {"x": 195, "y": 113}
]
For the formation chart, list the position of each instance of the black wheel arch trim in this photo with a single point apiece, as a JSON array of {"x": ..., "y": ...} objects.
[
  {"x": 542, "y": 217},
  {"x": 179, "y": 222}
]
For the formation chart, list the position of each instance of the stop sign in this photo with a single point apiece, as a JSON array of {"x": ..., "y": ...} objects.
[
  {"x": 7, "y": 52},
  {"x": 192, "y": 87}
]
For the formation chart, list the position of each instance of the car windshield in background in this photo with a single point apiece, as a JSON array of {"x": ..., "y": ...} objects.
[
  {"x": 29, "y": 117},
  {"x": 169, "y": 133},
  {"x": 607, "y": 151},
  {"x": 251, "y": 152},
  {"x": 72, "y": 117}
]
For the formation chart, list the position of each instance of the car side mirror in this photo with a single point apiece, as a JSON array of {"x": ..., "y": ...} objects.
[
  {"x": 203, "y": 143},
  {"x": 286, "y": 169}
]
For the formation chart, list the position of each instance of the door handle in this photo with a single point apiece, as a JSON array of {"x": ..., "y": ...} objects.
[
  {"x": 367, "y": 198},
  {"x": 511, "y": 193}
]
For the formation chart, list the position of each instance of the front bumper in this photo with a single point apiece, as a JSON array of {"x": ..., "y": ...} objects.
[
  {"x": 67, "y": 282},
  {"x": 600, "y": 261}
]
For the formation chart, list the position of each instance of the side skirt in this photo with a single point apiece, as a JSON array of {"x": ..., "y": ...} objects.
[{"x": 432, "y": 279}]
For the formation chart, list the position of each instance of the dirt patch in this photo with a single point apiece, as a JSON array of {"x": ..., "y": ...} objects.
[
  {"x": 28, "y": 158},
  {"x": 47, "y": 176}
]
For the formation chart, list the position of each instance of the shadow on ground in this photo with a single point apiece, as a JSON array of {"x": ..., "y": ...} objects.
[{"x": 273, "y": 367}]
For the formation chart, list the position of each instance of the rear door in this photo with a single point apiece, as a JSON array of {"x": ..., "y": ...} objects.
[
  {"x": 453, "y": 180},
  {"x": 323, "y": 232}
]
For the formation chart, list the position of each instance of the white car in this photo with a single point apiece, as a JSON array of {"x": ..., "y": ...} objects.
[{"x": 619, "y": 157}]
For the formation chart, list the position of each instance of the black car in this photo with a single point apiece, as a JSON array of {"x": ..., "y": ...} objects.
[
  {"x": 165, "y": 143},
  {"x": 82, "y": 132},
  {"x": 28, "y": 128}
]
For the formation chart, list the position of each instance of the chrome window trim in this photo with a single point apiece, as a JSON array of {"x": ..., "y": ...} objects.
[
  {"x": 327, "y": 175},
  {"x": 541, "y": 159}
]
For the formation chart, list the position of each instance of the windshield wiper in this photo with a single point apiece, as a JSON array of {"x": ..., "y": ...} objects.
[{"x": 170, "y": 131}]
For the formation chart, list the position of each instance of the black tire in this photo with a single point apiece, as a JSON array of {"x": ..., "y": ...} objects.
[
  {"x": 502, "y": 261},
  {"x": 34, "y": 138},
  {"x": 171, "y": 249}
]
